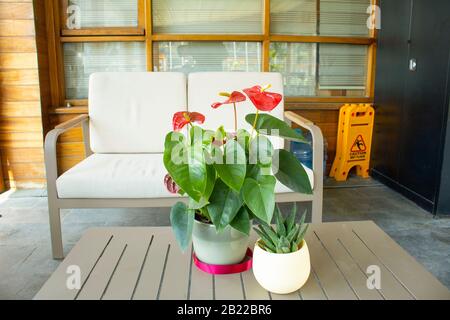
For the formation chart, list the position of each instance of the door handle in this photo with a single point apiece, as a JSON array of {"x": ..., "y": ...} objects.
[{"x": 412, "y": 65}]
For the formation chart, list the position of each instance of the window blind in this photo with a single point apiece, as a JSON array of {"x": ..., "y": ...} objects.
[
  {"x": 207, "y": 56},
  {"x": 297, "y": 17},
  {"x": 208, "y": 16},
  {"x": 107, "y": 13},
  {"x": 82, "y": 59},
  {"x": 342, "y": 67},
  {"x": 344, "y": 17},
  {"x": 297, "y": 63}
]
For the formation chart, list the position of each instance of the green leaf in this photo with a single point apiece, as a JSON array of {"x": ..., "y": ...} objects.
[
  {"x": 233, "y": 168},
  {"x": 220, "y": 134},
  {"x": 290, "y": 172},
  {"x": 290, "y": 221},
  {"x": 201, "y": 136},
  {"x": 242, "y": 221},
  {"x": 269, "y": 250},
  {"x": 271, "y": 126},
  {"x": 263, "y": 236},
  {"x": 259, "y": 196},
  {"x": 197, "y": 168},
  {"x": 283, "y": 245},
  {"x": 253, "y": 171},
  {"x": 271, "y": 233},
  {"x": 197, "y": 205},
  {"x": 182, "y": 220},
  {"x": 210, "y": 182},
  {"x": 303, "y": 218},
  {"x": 302, "y": 234},
  {"x": 281, "y": 229},
  {"x": 224, "y": 205},
  {"x": 243, "y": 138},
  {"x": 293, "y": 234},
  {"x": 173, "y": 138},
  {"x": 261, "y": 151},
  {"x": 186, "y": 165},
  {"x": 267, "y": 245}
]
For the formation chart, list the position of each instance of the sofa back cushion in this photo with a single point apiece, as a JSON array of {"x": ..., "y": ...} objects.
[
  {"x": 131, "y": 112},
  {"x": 204, "y": 88}
]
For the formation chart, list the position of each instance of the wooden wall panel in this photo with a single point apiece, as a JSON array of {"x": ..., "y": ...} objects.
[
  {"x": 70, "y": 144},
  {"x": 24, "y": 77},
  {"x": 21, "y": 130}
]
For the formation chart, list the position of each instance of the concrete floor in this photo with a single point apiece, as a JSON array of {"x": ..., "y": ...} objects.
[{"x": 25, "y": 261}]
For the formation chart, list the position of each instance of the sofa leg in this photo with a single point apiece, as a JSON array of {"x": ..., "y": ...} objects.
[{"x": 55, "y": 232}]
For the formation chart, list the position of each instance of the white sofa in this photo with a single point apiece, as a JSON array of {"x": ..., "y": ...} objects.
[{"x": 129, "y": 116}]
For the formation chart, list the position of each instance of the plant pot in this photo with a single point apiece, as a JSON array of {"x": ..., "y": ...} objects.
[
  {"x": 224, "y": 248},
  {"x": 281, "y": 273}
]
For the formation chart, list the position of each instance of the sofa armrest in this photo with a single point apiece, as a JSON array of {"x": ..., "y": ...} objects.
[
  {"x": 72, "y": 122},
  {"x": 317, "y": 145},
  {"x": 51, "y": 164}
]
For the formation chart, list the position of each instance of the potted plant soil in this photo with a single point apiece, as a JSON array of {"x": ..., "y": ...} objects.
[
  {"x": 281, "y": 262},
  {"x": 229, "y": 177}
]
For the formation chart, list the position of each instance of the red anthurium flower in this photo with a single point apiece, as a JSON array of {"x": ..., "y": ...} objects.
[
  {"x": 181, "y": 119},
  {"x": 171, "y": 186},
  {"x": 262, "y": 99},
  {"x": 234, "y": 97}
]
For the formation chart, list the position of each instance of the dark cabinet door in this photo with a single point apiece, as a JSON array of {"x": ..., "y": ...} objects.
[
  {"x": 392, "y": 69},
  {"x": 444, "y": 192},
  {"x": 425, "y": 98}
]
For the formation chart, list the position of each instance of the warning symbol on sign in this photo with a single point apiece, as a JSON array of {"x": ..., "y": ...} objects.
[{"x": 359, "y": 145}]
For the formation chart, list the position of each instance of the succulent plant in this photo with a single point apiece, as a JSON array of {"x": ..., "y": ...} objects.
[{"x": 286, "y": 237}]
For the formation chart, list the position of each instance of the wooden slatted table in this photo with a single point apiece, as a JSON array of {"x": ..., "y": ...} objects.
[{"x": 145, "y": 263}]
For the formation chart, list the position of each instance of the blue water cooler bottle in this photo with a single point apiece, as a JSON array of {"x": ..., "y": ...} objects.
[{"x": 304, "y": 152}]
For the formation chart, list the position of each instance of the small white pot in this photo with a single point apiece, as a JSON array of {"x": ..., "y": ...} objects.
[{"x": 281, "y": 273}]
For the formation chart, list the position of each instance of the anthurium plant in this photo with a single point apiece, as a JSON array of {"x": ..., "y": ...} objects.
[{"x": 230, "y": 177}]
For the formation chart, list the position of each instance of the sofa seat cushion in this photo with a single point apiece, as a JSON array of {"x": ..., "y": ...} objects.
[{"x": 123, "y": 176}]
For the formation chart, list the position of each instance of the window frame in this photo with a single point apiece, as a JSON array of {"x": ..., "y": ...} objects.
[{"x": 56, "y": 14}]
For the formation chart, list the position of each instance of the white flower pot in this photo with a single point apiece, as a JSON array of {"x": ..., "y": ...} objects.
[{"x": 281, "y": 273}]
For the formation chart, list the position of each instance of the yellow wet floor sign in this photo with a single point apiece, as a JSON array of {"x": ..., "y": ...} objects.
[{"x": 354, "y": 141}]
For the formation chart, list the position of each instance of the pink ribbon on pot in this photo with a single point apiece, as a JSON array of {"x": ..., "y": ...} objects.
[{"x": 226, "y": 269}]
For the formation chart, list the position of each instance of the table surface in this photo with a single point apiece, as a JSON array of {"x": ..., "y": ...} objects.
[{"x": 146, "y": 264}]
